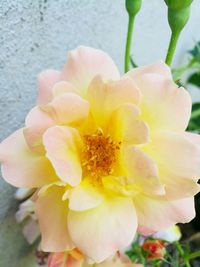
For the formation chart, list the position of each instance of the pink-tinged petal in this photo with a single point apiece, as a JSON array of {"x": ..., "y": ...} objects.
[
  {"x": 22, "y": 167},
  {"x": 64, "y": 259},
  {"x": 141, "y": 170},
  {"x": 38, "y": 118},
  {"x": 37, "y": 121},
  {"x": 84, "y": 63},
  {"x": 52, "y": 213},
  {"x": 46, "y": 81},
  {"x": 145, "y": 231},
  {"x": 84, "y": 197},
  {"x": 31, "y": 231},
  {"x": 64, "y": 109},
  {"x": 63, "y": 87},
  {"x": 172, "y": 183},
  {"x": 117, "y": 264},
  {"x": 26, "y": 209},
  {"x": 68, "y": 108},
  {"x": 193, "y": 137},
  {"x": 164, "y": 105},
  {"x": 57, "y": 259},
  {"x": 125, "y": 125},
  {"x": 62, "y": 144},
  {"x": 157, "y": 214},
  {"x": 107, "y": 228},
  {"x": 105, "y": 97},
  {"x": 159, "y": 68},
  {"x": 176, "y": 153}
]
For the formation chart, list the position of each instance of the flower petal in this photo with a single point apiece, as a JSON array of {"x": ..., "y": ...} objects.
[
  {"x": 188, "y": 188},
  {"x": 26, "y": 209},
  {"x": 142, "y": 170},
  {"x": 158, "y": 214},
  {"x": 84, "y": 197},
  {"x": 22, "y": 194},
  {"x": 176, "y": 153},
  {"x": 52, "y": 212},
  {"x": 31, "y": 231},
  {"x": 171, "y": 234},
  {"x": 118, "y": 264},
  {"x": 46, "y": 80},
  {"x": 68, "y": 108},
  {"x": 164, "y": 105},
  {"x": 113, "y": 224},
  {"x": 61, "y": 144},
  {"x": 64, "y": 259},
  {"x": 63, "y": 87},
  {"x": 193, "y": 137},
  {"x": 159, "y": 68},
  {"x": 22, "y": 167},
  {"x": 104, "y": 98},
  {"x": 84, "y": 63},
  {"x": 37, "y": 121},
  {"x": 125, "y": 125}
]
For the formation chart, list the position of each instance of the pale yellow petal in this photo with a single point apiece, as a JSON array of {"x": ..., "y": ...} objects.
[
  {"x": 52, "y": 215},
  {"x": 101, "y": 231},
  {"x": 22, "y": 167},
  {"x": 61, "y": 144},
  {"x": 105, "y": 97},
  {"x": 84, "y": 63}
]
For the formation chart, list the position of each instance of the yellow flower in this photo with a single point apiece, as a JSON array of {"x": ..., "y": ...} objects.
[{"x": 109, "y": 155}]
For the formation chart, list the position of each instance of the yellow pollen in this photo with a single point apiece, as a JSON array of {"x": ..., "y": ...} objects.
[{"x": 99, "y": 154}]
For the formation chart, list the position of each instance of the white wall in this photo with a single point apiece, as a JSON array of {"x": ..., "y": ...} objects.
[{"x": 36, "y": 34}]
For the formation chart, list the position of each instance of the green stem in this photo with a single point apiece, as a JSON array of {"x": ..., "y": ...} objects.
[
  {"x": 181, "y": 252},
  {"x": 128, "y": 43},
  {"x": 193, "y": 255},
  {"x": 172, "y": 47}
]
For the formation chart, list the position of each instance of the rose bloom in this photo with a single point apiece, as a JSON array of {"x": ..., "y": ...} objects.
[{"x": 108, "y": 155}]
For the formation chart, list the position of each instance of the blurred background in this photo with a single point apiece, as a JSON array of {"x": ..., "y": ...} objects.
[{"x": 36, "y": 35}]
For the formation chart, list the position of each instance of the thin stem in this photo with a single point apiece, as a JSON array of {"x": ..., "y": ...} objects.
[
  {"x": 193, "y": 255},
  {"x": 181, "y": 252},
  {"x": 128, "y": 43},
  {"x": 172, "y": 47}
]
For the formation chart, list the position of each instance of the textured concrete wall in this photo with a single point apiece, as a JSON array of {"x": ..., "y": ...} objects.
[{"x": 35, "y": 35}]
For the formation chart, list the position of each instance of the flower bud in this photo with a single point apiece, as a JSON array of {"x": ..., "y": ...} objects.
[
  {"x": 133, "y": 6},
  {"x": 154, "y": 249},
  {"x": 178, "y": 4},
  {"x": 178, "y": 13}
]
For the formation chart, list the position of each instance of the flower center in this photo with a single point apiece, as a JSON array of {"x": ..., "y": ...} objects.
[{"x": 99, "y": 154}]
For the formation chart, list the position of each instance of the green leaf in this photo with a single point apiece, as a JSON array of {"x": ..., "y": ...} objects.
[
  {"x": 133, "y": 64},
  {"x": 178, "y": 73},
  {"x": 194, "y": 79},
  {"x": 194, "y": 124},
  {"x": 195, "y": 52}
]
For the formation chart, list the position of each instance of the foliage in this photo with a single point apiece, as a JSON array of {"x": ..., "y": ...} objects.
[{"x": 176, "y": 254}]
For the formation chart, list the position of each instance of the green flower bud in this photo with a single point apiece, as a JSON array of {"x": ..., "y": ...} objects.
[
  {"x": 178, "y": 13},
  {"x": 178, "y": 4},
  {"x": 133, "y": 7}
]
